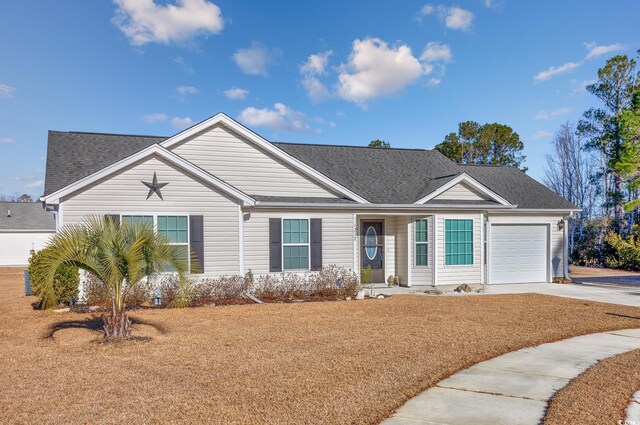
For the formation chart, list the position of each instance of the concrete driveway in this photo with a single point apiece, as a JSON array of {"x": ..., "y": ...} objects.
[{"x": 606, "y": 293}]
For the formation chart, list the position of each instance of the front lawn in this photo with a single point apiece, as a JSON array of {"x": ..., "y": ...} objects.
[{"x": 329, "y": 362}]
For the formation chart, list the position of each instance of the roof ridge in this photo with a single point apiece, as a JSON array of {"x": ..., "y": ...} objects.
[
  {"x": 110, "y": 134},
  {"x": 351, "y": 146}
]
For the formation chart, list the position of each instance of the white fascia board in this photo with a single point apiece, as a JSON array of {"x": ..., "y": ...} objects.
[
  {"x": 412, "y": 207},
  {"x": 464, "y": 177},
  {"x": 55, "y": 197},
  {"x": 263, "y": 143}
]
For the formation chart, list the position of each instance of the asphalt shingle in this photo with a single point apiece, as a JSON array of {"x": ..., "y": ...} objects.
[{"x": 25, "y": 216}]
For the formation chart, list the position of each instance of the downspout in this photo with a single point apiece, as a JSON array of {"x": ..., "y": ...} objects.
[
  {"x": 485, "y": 250},
  {"x": 565, "y": 237}
]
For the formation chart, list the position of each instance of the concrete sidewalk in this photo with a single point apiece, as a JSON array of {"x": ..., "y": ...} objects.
[{"x": 514, "y": 388}]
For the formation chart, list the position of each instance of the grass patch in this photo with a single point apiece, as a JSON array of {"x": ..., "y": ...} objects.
[{"x": 334, "y": 362}]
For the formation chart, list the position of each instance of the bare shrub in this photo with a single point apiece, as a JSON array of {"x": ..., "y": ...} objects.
[
  {"x": 333, "y": 281},
  {"x": 95, "y": 291},
  {"x": 222, "y": 288},
  {"x": 176, "y": 292},
  {"x": 285, "y": 285},
  {"x": 141, "y": 293}
]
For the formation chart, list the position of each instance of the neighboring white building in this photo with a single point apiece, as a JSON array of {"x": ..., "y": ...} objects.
[
  {"x": 24, "y": 226},
  {"x": 238, "y": 202}
]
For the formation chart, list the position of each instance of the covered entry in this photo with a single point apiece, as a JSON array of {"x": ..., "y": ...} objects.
[{"x": 519, "y": 253}]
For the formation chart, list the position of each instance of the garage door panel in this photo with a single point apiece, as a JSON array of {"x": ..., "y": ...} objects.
[{"x": 518, "y": 253}]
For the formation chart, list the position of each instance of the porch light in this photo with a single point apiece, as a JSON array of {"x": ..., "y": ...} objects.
[{"x": 561, "y": 224}]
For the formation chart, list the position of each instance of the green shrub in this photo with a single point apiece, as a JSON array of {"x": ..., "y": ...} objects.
[
  {"x": 65, "y": 282},
  {"x": 622, "y": 253}
]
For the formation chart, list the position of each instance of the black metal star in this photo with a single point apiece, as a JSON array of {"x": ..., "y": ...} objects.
[{"x": 154, "y": 187}]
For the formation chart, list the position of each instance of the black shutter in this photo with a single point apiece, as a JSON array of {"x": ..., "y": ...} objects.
[
  {"x": 196, "y": 243},
  {"x": 113, "y": 218},
  {"x": 275, "y": 245},
  {"x": 316, "y": 243}
]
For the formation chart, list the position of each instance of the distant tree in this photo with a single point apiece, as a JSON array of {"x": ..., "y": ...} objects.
[
  {"x": 617, "y": 82},
  {"x": 568, "y": 173},
  {"x": 16, "y": 198},
  {"x": 490, "y": 143},
  {"x": 379, "y": 144}
]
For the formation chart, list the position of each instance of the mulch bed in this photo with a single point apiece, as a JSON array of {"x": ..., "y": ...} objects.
[
  {"x": 598, "y": 396},
  {"x": 290, "y": 363}
]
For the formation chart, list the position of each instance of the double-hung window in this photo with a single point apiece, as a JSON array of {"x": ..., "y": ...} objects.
[
  {"x": 175, "y": 228},
  {"x": 458, "y": 242},
  {"x": 295, "y": 244},
  {"x": 421, "y": 242}
]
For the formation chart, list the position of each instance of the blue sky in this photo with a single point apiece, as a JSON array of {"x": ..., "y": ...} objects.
[{"x": 330, "y": 72}]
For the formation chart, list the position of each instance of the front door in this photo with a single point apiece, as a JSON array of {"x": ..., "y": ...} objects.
[{"x": 373, "y": 249}]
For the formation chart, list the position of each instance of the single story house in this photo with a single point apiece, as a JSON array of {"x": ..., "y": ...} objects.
[
  {"x": 24, "y": 226},
  {"x": 238, "y": 202}
]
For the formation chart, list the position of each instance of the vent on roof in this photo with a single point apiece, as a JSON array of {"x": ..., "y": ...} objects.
[{"x": 8, "y": 213}]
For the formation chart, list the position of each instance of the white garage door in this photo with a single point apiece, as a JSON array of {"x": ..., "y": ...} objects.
[
  {"x": 518, "y": 253},
  {"x": 15, "y": 247}
]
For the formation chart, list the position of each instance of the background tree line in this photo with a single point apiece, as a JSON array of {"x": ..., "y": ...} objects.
[{"x": 596, "y": 165}]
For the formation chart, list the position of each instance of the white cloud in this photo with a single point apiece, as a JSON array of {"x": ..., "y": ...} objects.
[
  {"x": 35, "y": 184},
  {"x": 184, "y": 91},
  {"x": 177, "y": 122},
  {"x": 316, "y": 90},
  {"x": 183, "y": 64},
  {"x": 581, "y": 87},
  {"x": 155, "y": 117},
  {"x": 539, "y": 135},
  {"x": 253, "y": 60},
  {"x": 181, "y": 123},
  {"x": 554, "y": 71},
  {"x": 436, "y": 52},
  {"x": 544, "y": 115},
  {"x": 455, "y": 17},
  {"x": 489, "y": 3},
  {"x": 316, "y": 64},
  {"x": 144, "y": 21},
  {"x": 7, "y": 140},
  {"x": 7, "y": 91},
  {"x": 458, "y": 19},
  {"x": 280, "y": 118},
  {"x": 236, "y": 93},
  {"x": 595, "y": 51},
  {"x": 376, "y": 69}
]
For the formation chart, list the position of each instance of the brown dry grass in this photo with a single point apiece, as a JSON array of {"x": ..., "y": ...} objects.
[
  {"x": 579, "y": 271},
  {"x": 330, "y": 362},
  {"x": 598, "y": 396}
]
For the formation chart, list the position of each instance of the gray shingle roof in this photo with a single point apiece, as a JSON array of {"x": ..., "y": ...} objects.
[
  {"x": 25, "y": 216},
  {"x": 302, "y": 200},
  {"x": 74, "y": 155},
  {"x": 382, "y": 176}
]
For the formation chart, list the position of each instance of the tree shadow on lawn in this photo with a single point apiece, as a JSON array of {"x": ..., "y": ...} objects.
[
  {"x": 95, "y": 323},
  {"x": 624, "y": 316}
]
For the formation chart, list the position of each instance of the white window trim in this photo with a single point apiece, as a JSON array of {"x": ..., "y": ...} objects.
[
  {"x": 155, "y": 229},
  {"x": 308, "y": 244},
  {"x": 444, "y": 242},
  {"x": 416, "y": 243}
]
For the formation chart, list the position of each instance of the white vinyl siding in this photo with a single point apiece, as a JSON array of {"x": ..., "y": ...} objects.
[
  {"x": 402, "y": 249},
  {"x": 337, "y": 237},
  {"x": 470, "y": 274},
  {"x": 15, "y": 247},
  {"x": 461, "y": 192},
  {"x": 241, "y": 164},
  {"x": 123, "y": 193}
]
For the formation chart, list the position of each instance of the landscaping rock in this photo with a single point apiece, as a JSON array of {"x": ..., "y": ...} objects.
[
  {"x": 464, "y": 288},
  {"x": 433, "y": 292},
  {"x": 94, "y": 308},
  {"x": 380, "y": 296},
  {"x": 360, "y": 295},
  {"x": 348, "y": 298},
  {"x": 62, "y": 310}
]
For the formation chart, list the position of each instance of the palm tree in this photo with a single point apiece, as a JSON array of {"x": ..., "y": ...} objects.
[{"x": 117, "y": 255}]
